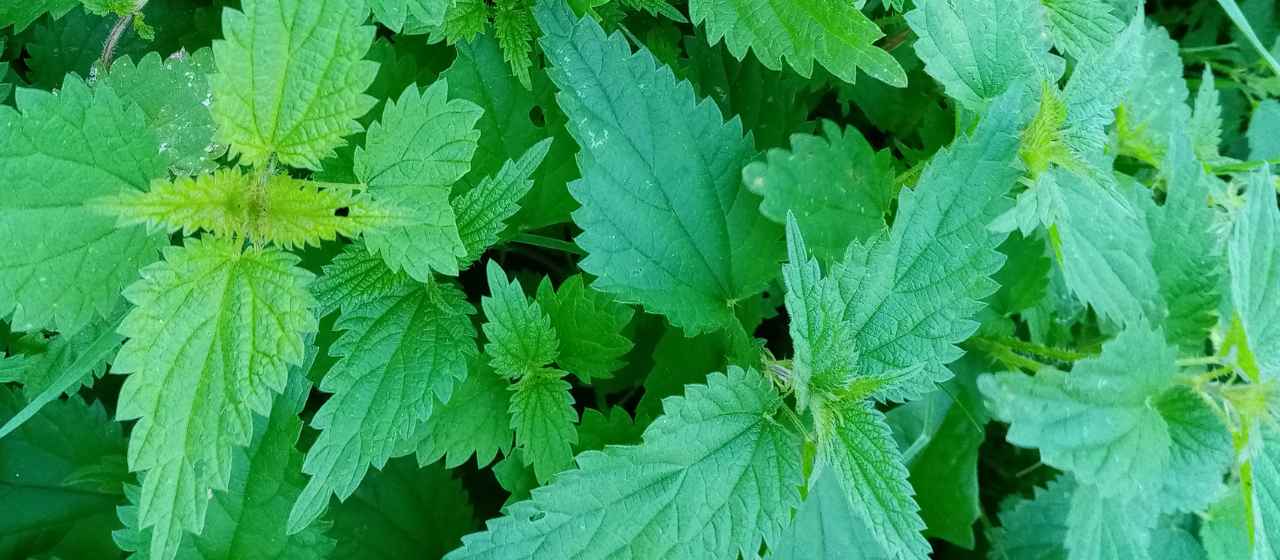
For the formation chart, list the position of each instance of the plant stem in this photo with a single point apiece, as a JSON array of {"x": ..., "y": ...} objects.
[
  {"x": 548, "y": 243},
  {"x": 1241, "y": 166},
  {"x": 117, "y": 31},
  {"x": 1201, "y": 361}
]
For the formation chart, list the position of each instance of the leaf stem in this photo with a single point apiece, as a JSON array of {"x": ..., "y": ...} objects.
[
  {"x": 545, "y": 242},
  {"x": 1241, "y": 166},
  {"x": 117, "y": 31},
  {"x": 1201, "y": 361}
]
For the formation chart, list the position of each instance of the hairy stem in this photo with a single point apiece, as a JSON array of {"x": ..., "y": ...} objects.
[{"x": 117, "y": 32}]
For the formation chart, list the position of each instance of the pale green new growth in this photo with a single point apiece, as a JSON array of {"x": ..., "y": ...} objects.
[
  {"x": 482, "y": 212},
  {"x": 401, "y": 352},
  {"x": 911, "y": 293},
  {"x": 291, "y": 78},
  {"x": 543, "y": 419},
  {"x": 588, "y": 325},
  {"x": 521, "y": 340},
  {"x": 972, "y": 60},
  {"x": 214, "y": 328},
  {"x": 855, "y": 443},
  {"x": 57, "y": 154},
  {"x": 835, "y": 34},
  {"x": 411, "y": 158},
  {"x": 714, "y": 476},
  {"x": 838, "y": 187},
  {"x": 826, "y": 351},
  {"x": 666, "y": 221}
]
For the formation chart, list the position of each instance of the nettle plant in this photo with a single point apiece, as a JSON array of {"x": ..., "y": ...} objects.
[{"x": 1034, "y": 312}]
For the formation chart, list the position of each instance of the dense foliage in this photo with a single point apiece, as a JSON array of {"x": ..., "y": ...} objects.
[{"x": 785, "y": 279}]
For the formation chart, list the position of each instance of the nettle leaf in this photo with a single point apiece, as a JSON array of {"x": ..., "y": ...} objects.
[
  {"x": 838, "y": 187},
  {"x": 714, "y": 477},
  {"x": 1155, "y": 104},
  {"x": 195, "y": 378},
  {"x": 826, "y": 527},
  {"x": 21, "y": 14},
  {"x": 543, "y": 418},
  {"x": 910, "y": 294},
  {"x": 246, "y": 521},
  {"x": 56, "y": 507},
  {"x": 473, "y": 422},
  {"x": 588, "y": 325},
  {"x": 1263, "y": 125},
  {"x": 977, "y": 49},
  {"x": 1105, "y": 422},
  {"x": 666, "y": 221},
  {"x": 521, "y": 339},
  {"x": 265, "y": 208},
  {"x": 395, "y": 14},
  {"x": 1265, "y": 496},
  {"x": 1034, "y": 529},
  {"x": 1253, "y": 252},
  {"x": 175, "y": 96},
  {"x": 1104, "y": 526},
  {"x": 291, "y": 78},
  {"x": 1082, "y": 28},
  {"x": 1206, "y": 119},
  {"x": 411, "y": 158},
  {"x": 401, "y": 352},
  {"x": 855, "y": 442},
  {"x": 1096, "y": 87},
  {"x": 826, "y": 350},
  {"x": 57, "y": 154},
  {"x": 483, "y": 211},
  {"x": 835, "y": 34}
]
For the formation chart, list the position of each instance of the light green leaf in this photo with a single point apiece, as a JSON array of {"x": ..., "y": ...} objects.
[
  {"x": 473, "y": 422},
  {"x": 827, "y": 528},
  {"x": 588, "y": 325},
  {"x": 666, "y": 221},
  {"x": 483, "y": 211},
  {"x": 59, "y": 153},
  {"x": 1155, "y": 103},
  {"x": 246, "y": 521},
  {"x": 1034, "y": 529},
  {"x": 856, "y": 444},
  {"x": 412, "y": 158},
  {"x": 1265, "y": 498},
  {"x": 291, "y": 78},
  {"x": 977, "y": 49},
  {"x": 1201, "y": 452},
  {"x": 1106, "y": 249},
  {"x": 1100, "y": 422},
  {"x": 50, "y": 508},
  {"x": 196, "y": 379},
  {"x": 521, "y": 339},
  {"x": 835, "y": 34},
  {"x": 826, "y": 350},
  {"x": 21, "y": 14},
  {"x": 175, "y": 96},
  {"x": 715, "y": 476},
  {"x": 1206, "y": 119},
  {"x": 912, "y": 293},
  {"x": 1225, "y": 528},
  {"x": 402, "y": 511},
  {"x": 1264, "y": 130},
  {"x": 395, "y": 13},
  {"x": 543, "y": 418},
  {"x": 400, "y": 353},
  {"x": 1104, "y": 526},
  {"x": 837, "y": 186},
  {"x": 1096, "y": 87},
  {"x": 1253, "y": 252},
  {"x": 1082, "y": 28},
  {"x": 353, "y": 280}
]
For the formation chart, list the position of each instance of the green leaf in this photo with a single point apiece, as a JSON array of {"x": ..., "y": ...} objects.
[
  {"x": 826, "y": 350},
  {"x": 1104, "y": 526},
  {"x": 714, "y": 477},
  {"x": 600, "y": 429},
  {"x": 246, "y": 520},
  {"x": 1024, "y": 278},
  {"x": 838, "y": 187},
  {"x": 521, "y": 338},
  {"x": 21, "y": 14},
  {"x": 1237, "y": 17},
  {"x": 1155, "y": 103},
  {"x": 1082, "y": 28},
  {"x": 1206, "y": 119},
  {"x": 513, "y": 27},
  {"x": 396, "y": 13},
  {"x": 543, "y": 417},
  {"x": 978, "y": 49},
  {"x": 175, "y": 96},
  {"x": 196, "y": 379},
  {"x": 666, "y": 221},
  {"x": 53, "y": 509},
  {"x": 67, "y": 362},
  {"x": 589, "y": 327},
  {"x": 827, "y": 528},
  {"x": 1201, "y": 452},
  {"x": 1185, "y": 252},
  {"x": 483, "y": 211},
  {"x": 1253, "y": 252},
  {"x": 855, "y": 442},
  {"x": 1263, "y": 128},
  {"x": 411, "y": 158},
  {"x": 1096, "y": 87},
  {"x": 1098, "y": 422},
  {"x": 835, "y": 34},
  {"x": 291, "y": 79},
  {"x": 59, "y": 153},
  {"x": 1225, "y": 528},
  {"x": 400, "y": 353},
  {"x": 911, "y": 294},
  {"x": 401, "y": 511},
  {"x": 1034, "y": 529},
  {"x": 1105, "y": 249},
  {"x": 473, "y": 422},
  {"x": 1265, "y": 497},
  {"x": 353, "y": 280}
]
